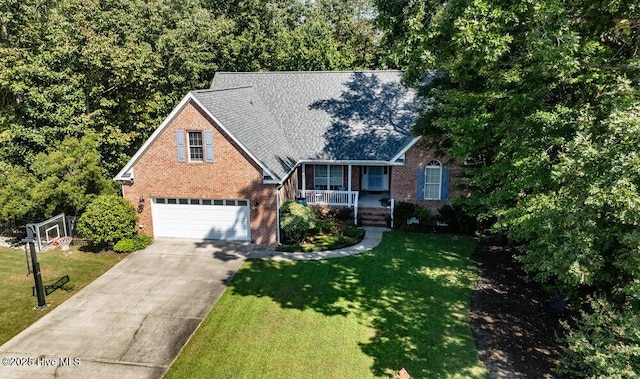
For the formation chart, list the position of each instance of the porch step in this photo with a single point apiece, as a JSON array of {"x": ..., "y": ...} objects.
[{"x": 373, "y": 216}]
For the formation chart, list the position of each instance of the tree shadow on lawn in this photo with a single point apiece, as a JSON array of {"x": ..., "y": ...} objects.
[{"x": 414, "y": 290}]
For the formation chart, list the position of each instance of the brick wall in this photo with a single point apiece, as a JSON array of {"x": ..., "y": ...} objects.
[
  {"x": 404, "y": 179},
  {"x": 232, "y": 175}
]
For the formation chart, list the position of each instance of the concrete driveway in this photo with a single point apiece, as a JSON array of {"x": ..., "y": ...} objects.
[{"x": 133, "y": 320}]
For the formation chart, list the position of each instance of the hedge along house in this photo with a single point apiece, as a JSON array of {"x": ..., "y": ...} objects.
[{"x": 226, "y": 158}]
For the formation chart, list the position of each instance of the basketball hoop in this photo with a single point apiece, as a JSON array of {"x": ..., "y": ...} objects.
[
  {"x": 64, "y": 243},
  {"x": 48, "y": 232}
]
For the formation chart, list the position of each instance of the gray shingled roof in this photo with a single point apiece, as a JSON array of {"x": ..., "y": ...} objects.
[
  {"x": 284, "y": 117},
  {"x": 242, "y": 112}
]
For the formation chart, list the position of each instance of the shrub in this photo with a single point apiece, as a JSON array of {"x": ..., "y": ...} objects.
[
  {"x": 343, "y": 214},
  {"x": 605, "y": 343},
  {"x": 107, "y": 220},
  {"x": 326, "y": 226},
  {"x": 297, "y": 221},
  {"x": 320, "y": 211},
  {"x": 424, "y": 216},
  {"x": 352, "y": 232},
  {"x": 402, "y": 213},
  {"x": 129, "y": 245},
  {"x": 458, "y": 218}
]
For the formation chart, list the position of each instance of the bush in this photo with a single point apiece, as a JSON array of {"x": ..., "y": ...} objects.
[
  {"x": 405, "y": 211},
  {"x": 424, "y": 216},
  {"x": 458, "y": 218},
  {"x": 402, "y": 213},
  {"x": 129, "y": 245},
  {"x": 604, "y": 344},
  {"x": 353, "y": 232},
  {"x": 343, "y": 214},
  {"x": 326, "y": 227},
  {"x": 107, "y": 220},
  {"x": 297, "y": 221}
]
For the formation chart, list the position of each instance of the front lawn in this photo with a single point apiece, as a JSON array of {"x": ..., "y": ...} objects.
[
  {"x": 404, "y": 304},
  {"x": 16, "y": 307}
]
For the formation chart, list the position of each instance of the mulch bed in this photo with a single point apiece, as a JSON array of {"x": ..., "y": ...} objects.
[{"x": 516, "y": 336}]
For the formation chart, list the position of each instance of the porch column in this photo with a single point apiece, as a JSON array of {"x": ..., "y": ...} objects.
[
  {"x": 349, "y": 185},
  {"x": 304, "y": 178},
  {"x": 328, "y": 177}
]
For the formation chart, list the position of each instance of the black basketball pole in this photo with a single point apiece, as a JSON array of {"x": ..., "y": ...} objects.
[{"x": 37, "y": 278}]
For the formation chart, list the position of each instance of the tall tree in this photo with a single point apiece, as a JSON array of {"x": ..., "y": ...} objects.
[
  {"x": 541, "y": 99},
  {"x": 64, "y": 179},
  {"x": 299, "y": 35},
  {"x": 516, "y": 84},
  {"x": 117, "y": 67},
  {"x": 114, "y": 67}
]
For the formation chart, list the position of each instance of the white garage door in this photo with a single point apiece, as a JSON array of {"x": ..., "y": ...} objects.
[{"x": 201, "y": 218}]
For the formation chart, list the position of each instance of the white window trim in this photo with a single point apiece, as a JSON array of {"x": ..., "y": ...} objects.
[
  {"x": 189, "y": 145},
  {"x": 199, "y": 201},
  {"x": 326, "y": 180},
  {"x": 433, "y": 164}
]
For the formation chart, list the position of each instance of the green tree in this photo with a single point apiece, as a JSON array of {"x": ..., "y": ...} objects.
[
  {"x": 16, "y": 203},
  {"x": 606, "y": 343},
  {"x": 513, "y": 87},
  {"x": 107, "y": 220},
  {"x": 295, "y": 35},
  {"x": 541, "y": 100},
  {"x": 69, "y": 177},
  {"x": 118, "y": 67},
  {"x": 586, "y": 231},
  {"x": 113, "y": 67},
  {"x": 64, "y": 179}
]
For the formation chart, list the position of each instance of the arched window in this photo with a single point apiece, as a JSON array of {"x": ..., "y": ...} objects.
[{"x": 433, "y": 180}]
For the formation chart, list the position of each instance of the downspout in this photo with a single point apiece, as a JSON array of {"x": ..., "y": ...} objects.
[{"x": 278, "y": 215}]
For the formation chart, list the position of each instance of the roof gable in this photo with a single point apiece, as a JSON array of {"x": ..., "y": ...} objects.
[{"x": 126, "y": 173}]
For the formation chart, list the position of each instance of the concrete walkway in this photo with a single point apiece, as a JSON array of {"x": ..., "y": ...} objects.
[
  {"x": 372, "y": 238},
  {"x": 132, "y": 321}
]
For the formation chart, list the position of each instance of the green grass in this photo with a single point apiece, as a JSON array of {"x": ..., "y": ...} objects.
[
  {"x": 404, "y": 304},
  {"x": 16, "y": 307}
]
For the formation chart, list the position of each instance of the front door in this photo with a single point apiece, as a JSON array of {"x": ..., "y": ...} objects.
[{"x": 375, "y": 178}]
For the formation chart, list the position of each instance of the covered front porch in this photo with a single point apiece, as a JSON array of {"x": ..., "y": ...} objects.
[
  {"x": 343, "y": 184},
  {"x": 364, "y": 199}
]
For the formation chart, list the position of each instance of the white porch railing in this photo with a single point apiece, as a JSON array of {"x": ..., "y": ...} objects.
[{"x": 323, "y": 197}]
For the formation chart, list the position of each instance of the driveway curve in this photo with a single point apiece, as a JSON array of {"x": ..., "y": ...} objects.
[{"x": 133, "y": 320}]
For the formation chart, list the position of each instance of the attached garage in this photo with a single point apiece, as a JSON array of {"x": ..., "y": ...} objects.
[{"x": 215, "y": 219}]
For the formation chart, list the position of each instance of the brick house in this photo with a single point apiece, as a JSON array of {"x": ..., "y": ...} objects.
[{"x": 226, "y": 158}]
